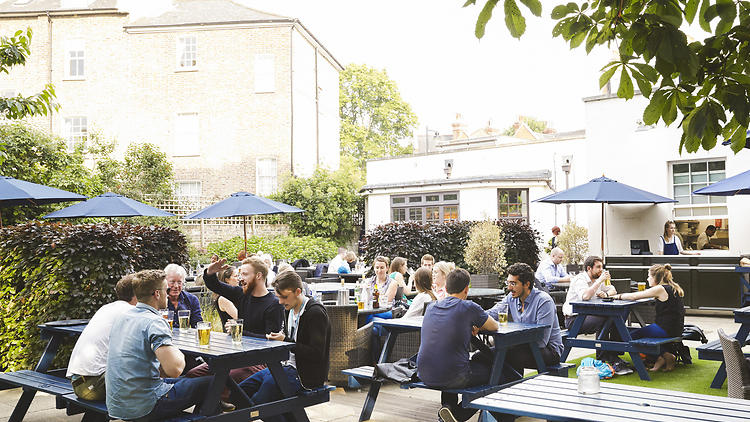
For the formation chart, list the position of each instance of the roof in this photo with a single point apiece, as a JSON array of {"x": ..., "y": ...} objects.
[
  {"x": 534, "y": 175},
  {"x": 201, "y": 12},
  {"x": 43, "y": 6}
]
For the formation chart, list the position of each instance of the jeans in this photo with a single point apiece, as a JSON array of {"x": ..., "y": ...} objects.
[
  {"x": 236, "y": 374},
  {"x": 185, "y": 392},
  {"x": 652, "y": 331},
  {"x": 261, "y": 388},
  {"x": 479, "y": 374}
]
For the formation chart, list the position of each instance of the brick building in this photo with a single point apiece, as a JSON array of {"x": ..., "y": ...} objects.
[{"x": 237, "y": 98}]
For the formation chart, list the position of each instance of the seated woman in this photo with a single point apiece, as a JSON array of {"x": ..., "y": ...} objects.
[
  {"x": 224, "y": 306},
  {"x": 398, "y": 269},
  {"x": 423, "y": 281},
  {"x": 380, "y": 280},
  {"x": 439, "y": 272},
  {"x": 670, "y": 311}
]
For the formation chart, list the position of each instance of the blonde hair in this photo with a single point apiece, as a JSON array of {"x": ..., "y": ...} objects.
[
  {"x": 258, "y": 265},
  {"x": 397, "y": 263},
  {"x": 145, "y": 282},
  {"x": 350, "y": 256},
  {"x": 666, "y": 227},
  {"x": 444, "y": 267},
  {"x": 663, "y": 275}
]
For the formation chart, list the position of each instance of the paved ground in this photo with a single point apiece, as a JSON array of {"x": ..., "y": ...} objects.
[{"x": 394, "y": 404}]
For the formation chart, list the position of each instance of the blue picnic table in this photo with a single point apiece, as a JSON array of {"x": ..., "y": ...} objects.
[
  {"x": 557, "y": 399},
  {"x": 615, "y": 313},
  {"x": 712, "y": 350}
]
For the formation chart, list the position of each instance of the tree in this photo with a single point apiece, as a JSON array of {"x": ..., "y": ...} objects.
[
  {"x": 373, "y": 115},
  {"x": 707, "y": 81},
  {"x": 330, "y": 201}
]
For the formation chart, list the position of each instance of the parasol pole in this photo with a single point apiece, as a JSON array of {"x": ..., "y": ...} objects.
[
  {"x": 244, "y": 226},
  {"x": 602, "y": 230}
]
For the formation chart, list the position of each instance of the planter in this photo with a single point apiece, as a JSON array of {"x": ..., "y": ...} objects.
[
  {"x": 573, "y": 268},
  {"x": 485, "y": 281}
]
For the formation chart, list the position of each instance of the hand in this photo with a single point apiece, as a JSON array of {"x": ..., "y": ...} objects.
[
  {"x": 276, "y": 336},
  {"x": 217, "y": 266},
  {"x": 601, "y": 294},
  {"x": 474, "y": 330}
]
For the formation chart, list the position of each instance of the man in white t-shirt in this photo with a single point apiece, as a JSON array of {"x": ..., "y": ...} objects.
[
  {"x": 337, "y": 261},
  {"x": 88, "y": 361}
]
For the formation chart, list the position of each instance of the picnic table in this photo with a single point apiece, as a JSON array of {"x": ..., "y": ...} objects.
[
  {"x": 508, "y": 335},
  {"x": 615, "y": 312},
  {"x": 744, "y": 285},
  {"x": 712, "y": 350},
  {"x": 557, "y": 399}
]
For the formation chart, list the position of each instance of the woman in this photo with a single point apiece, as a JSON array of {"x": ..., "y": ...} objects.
[
  {"x": 224, "y": 306},
  {"x": 398, "y": 269},
  {"x": 439, "y": 273},
  {"x": 669, "y": 243},
  {"x": 380, "y": 279},
  {"x": 423, "y": 281},
  {"x": 670, "y": 311}
]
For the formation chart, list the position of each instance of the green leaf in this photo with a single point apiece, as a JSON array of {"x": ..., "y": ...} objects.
[
  {"x": 626, "y": 85},
  {"x": 469, "y": 2},
  {"x": 606, "y": 76},
  {"x": 654, "y": 108},
  {"x": 515, "y": 22},
  {"x": 484, "y": 17},
  {"x": 724, "y": 26},
  {"x": 643, "y": 84},
  {"x": 577, "y": 39},
  {"x": 704, "y": 23},
  {"x": 726, "y": 9},
  {"x": 559, "y": 12},
  {"x": 535, "y": 6},
  {"x": 669, "y": 114},
  {"x": 647, "y": 71},
  {"x": 739, "y": 139},
  {"x": 690, "y": 9}
]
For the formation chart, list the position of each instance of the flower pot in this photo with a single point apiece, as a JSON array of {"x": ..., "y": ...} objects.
[{"x": 491, "y": 281}]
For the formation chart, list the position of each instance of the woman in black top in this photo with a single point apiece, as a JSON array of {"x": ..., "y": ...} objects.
[
  {"x": 670, "y": 311},
  {"x": 224, "y": 306}
]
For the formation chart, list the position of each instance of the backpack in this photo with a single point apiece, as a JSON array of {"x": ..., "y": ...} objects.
[
  {"x": 605, "y": 370},
  {"x": 693, "y": 332}
]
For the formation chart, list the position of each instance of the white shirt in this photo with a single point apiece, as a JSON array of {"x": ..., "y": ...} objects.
[
  {"x": 89, "y": 355},
  {"x": 335, "y": 264},
  {"x": 417, "y": 305},
  {"x": 293, "y": 329},
  {"x": 703, "y": 240},
  {"x": 661, "y": 240},
  {"x": 578, "y": 285}
]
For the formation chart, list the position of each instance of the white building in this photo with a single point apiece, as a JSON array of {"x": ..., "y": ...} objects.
[{"x": 500, "y": 177}]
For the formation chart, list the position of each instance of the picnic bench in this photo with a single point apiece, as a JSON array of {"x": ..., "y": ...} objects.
[
  {"x": 712, "y": 350},
  {"x": 615, "y": 312},
  {"x": 221, "y": 356},
  {"x": 557, "y": 399},
  {"x": 507, "y": 336}
]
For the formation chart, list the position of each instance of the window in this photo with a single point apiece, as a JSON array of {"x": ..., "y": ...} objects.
[
  {"x": 187, "y": 190},
  {"x": 75, "y": 131},
  {"x": 265, "y": 173},
  {"x": 265, "y": 75},
  {"x": 425, "y": 208},
  {"x": 687, "y": 177},
  {"x": 513, "y": 203},
  {"x": 75, "y": 60},
  {"x": 187, "y": 53},
  {"x": 186, "y": 135}
]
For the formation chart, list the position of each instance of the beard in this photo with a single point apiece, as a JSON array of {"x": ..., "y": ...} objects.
[{"x": 248, "y": 286}]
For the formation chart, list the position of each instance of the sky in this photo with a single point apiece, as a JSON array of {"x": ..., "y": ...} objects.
[{"x": 429, "y": 49}]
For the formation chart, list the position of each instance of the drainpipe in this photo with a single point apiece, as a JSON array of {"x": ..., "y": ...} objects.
[
  {"x": 49, "y": 52},
  {"x": 291, "y": 99},
  {"x": 317, "y": 113}
]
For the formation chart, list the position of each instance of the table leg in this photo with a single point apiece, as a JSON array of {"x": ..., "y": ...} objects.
[
  {"x": 540, "y": 365},
  {"x": 572, "y": 333},
  {"x": 279, "y": 375},
  {"x": 497, "y": 365},
  {"x": 210, "y": 404},
  {"x": 372, "y": 393},
  {"x": 619, "y": 322},
  {"x": 50, "y": 351}
]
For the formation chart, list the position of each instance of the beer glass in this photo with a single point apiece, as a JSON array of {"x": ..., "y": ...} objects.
[
  {"x": 235, "y": 329},
  {"x": 502, "y": 313},
  {"x": 169, "y": 316},
  {"x": 183, "y": 317},
  {"x": 641, "y": 286},
  {"x": 204, "y": 334}
]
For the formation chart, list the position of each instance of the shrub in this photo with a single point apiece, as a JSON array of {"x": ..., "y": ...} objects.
[
  {"x": 574, "y": 241},
  {"x": 280, "y": 247},
  {"x": 60, "y": 271},
  {"x": 485, "y": 250},
  {"x": 521, "y": 242}
]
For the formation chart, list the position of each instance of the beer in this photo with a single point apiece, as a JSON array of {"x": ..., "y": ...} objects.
[
  {"x": 360, "y": 305},
  {"x": 204, "y": 334},
  {"x": 607, "y": 282},
  {"x": 502, "y": 317},
  {"x": 641, "y": 286},
  {"x": 183, "y": 319},
  {"x": 170, "y": 324},
  {"x": 236, "y": 331}
]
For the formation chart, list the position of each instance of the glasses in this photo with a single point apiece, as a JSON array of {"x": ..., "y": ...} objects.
[{"x": 175, "y": 282}]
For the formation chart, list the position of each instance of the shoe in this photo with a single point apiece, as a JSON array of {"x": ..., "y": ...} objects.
[
  {"x": 226, "y": 407},
  {"x": 622, "y": 368},
  {"x": 445, "y": 415}
]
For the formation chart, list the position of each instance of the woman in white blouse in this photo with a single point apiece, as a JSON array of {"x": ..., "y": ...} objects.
[
  {"x": 423, "y": 282},
  {"x": 669, "y": 243}
]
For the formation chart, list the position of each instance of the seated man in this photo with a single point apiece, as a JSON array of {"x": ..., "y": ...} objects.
[
  {"x": 307, "y": 325},
  {"x": 141, "y": 353},
  {"x": 590, "y": 283},
  {"x": 551, "y": 271},
  {"x": 443, "y": 358},
  {"x": 88, "y": 361},
  {"x": 427, "y": 261},
  {"x": 337, "y": 261},
  {"x": 532, "y": 306},
  {"x": 180, "y": 299}
]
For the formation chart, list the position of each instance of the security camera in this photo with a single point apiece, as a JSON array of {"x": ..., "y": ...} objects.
[{"x": 448, "y": 164}]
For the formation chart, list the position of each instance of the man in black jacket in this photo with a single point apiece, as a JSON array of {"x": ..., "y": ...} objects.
[{"x": 308, "y": 326}]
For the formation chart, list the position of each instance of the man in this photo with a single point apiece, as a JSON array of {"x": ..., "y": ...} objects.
[
  {"x": 704, "y": 239},
  {"x": 551, "y": 271},
  {"x": 533, "y": 306},
  {"x": 88, "y": 361},
  {"x": 308, "y": 327},
  {"x": 141, "y": 353},
  {"x": 427, "y": 261},
  {"x": 443, "y": 358},
  {"x": 337, "y": 261},
  {"x": 587, "y": 285},
  {"x": 552, "y": 243},
  {"x": 258, "y": 307},
  {"x": 180, "y": 299}
]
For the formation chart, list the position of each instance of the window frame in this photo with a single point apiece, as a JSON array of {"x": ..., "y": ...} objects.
[
  {"x": 179, "y": 49},
  {"x": 77, "y": 45},
  {"x": 525, "y": 198},
  {"x": 408, "y": 206},
  {"x": 711, "y": 202},
  {"x": 80, "y": 136},
  {"x": 259, "y": 176}
]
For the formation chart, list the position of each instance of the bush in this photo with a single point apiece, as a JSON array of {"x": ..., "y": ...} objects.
[
  {"x": 59, "y": 271},
  {"x": 574, "y": 241},
  {"x": 446, "y": 241},
  {"x": 280, "y": 247},
  {"x": 485, "y": 250}
]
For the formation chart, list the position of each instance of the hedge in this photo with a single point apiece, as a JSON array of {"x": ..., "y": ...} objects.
[
  {"x": 59, "y": 271},
  {"x": 446, "y": 241},
  {"x": 289, "y": 248}
]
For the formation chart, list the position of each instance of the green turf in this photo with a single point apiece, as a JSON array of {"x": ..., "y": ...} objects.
[{"x": 695, "y": 378}]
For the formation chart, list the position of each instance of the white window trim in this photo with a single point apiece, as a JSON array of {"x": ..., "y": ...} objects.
[
  {"x": 76, "y": 44},
  {"x": 200, "y": 186},
  {"x": 275, "y": 187},
  {"x": 178, "y": 58},
  {"x": 675, "y": 206},
  {"x": 69, "y": 143},
  {"x": 176, "y": 152},
  {"x": 423, "y": 204}
]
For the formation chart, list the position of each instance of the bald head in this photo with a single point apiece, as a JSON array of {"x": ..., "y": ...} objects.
[{"x": 556, "y": 255}]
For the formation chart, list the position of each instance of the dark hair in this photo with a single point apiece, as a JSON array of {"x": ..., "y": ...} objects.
[
  {"x": 524, "y": 273},
  {"x": 225, "y": 275},
  {"x": 287, "y": 280},
  {"x": 590, "y": 261},
  {"x": 146, "y": 282},
  {"x": 124, "y": 288},
  {"x": 711, "y": 227},
  {"x": 397, "y": 263},
  {"x": 457, "y": 281},
  {"x": 423, "y": 281}
]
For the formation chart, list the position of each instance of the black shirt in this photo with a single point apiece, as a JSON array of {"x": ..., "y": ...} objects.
[
  {"x": 670, "y": 314},
  {"x": 261, "y": 315}
]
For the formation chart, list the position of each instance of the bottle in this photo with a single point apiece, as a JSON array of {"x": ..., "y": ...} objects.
[{"x": 375, "y": 296}]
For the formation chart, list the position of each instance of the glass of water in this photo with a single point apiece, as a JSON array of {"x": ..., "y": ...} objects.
[{"x": 184, "y": 320}]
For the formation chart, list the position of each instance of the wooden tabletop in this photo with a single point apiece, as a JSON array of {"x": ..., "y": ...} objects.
[
  {"x": 415, "y": 323},
  {"x": 221, "y": 344},
  {"x": 557, "y": 398}
]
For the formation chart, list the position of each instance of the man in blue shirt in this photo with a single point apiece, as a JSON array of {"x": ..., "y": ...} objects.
[
  {"x": 443, "y": 359},
  {"x": 180, "y": 299},
  {"x": 141, "y": 352},
  {"x": 551, "y": 271},
  {"x": 532, "y": 306}
]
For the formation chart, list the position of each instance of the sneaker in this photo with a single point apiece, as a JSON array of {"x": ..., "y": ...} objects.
[
  {"x": 622, "y": 368},
  {"x": 226, "y": 407},
  {"x": 445, "y": 415}
]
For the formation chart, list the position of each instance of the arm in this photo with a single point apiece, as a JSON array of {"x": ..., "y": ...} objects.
[
  {"x": 591, "y": 291},
  {"x": 545, "y": 315},
  {"x": 273, "y": 318},
  {"x": 393, "y": 286},
  {"x": 659, "y": 246},
  {"x": 227, "y": 306},
  {"x": 492, "y": 312},
  {"x": 171, "y": 359},
  {"x": 656, "y": 291},
  {"x": 490, "y": 325},
  {"x": 678, "y": 242},
  {"x": 233, "y": 293},
  {"x": 195, "y": 309},
  {"x": 417, "y": 305},
  {"x": 316, "y": 324}
]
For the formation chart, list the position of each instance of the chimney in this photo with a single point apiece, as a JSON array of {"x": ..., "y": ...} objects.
[{"x": 458, "y": 127}]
